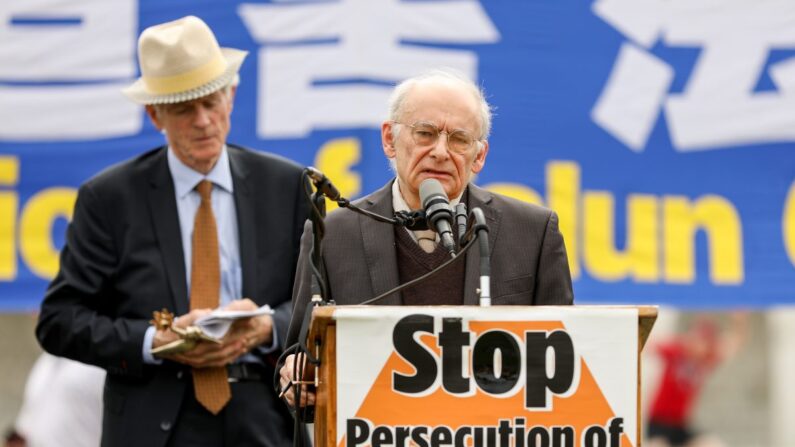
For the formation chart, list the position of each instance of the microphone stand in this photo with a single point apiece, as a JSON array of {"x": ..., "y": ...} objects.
[
  {"x": 477, "y": 228},
  {"x": 318, "y": 285},
  {"x": 318, "y": 288}
]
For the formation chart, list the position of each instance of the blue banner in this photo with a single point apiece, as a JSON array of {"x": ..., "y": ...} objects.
[{"x": 660, "y": 131}]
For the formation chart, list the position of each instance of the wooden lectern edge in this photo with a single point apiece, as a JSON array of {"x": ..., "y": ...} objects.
[
  {"x": 647, "y": 316},
  {"x": 321, "y": 316}
]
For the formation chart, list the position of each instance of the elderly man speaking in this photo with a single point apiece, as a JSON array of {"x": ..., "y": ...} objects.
[
  {"x": 437, "y": 129},
  {"x": 191, "y": 226}
]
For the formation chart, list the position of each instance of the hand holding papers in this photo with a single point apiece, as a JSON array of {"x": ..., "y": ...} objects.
[
  {"x": 216, "y": 324},
  {"x": 209, "y": 328}
]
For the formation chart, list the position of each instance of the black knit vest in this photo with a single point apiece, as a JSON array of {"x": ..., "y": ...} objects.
[{"x": 446, "y": 287}]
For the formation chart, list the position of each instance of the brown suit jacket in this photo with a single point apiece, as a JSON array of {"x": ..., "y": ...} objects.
[{"x": 528, "y": 257}]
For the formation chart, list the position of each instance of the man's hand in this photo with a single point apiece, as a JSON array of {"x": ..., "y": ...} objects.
[
  {"x": 205, "y": 354},
  {"x": 254, "y": 331},
  {"x": 288, "y": 381},
  {"x": 244, "y": 335}
]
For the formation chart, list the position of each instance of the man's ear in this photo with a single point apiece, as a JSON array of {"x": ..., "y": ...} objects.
[
  {"x": 152, "y": 112},
  {"x": 388, "y": 138},
  {"x": 480, "y": 158}
]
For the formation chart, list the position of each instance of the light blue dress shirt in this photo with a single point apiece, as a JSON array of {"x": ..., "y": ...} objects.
[{"x": 223, "y": 203}]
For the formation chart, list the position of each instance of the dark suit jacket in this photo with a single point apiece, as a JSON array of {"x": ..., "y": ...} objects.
[
  {"x": 123, "y": 259},
  {"x": 528, "y": 258}
]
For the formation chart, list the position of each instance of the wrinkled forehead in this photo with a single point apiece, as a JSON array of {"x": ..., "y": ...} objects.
[{"x": 447, "y": 104}]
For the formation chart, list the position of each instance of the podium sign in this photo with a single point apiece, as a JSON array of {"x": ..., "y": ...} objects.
[{"x": 496, "y": 376}]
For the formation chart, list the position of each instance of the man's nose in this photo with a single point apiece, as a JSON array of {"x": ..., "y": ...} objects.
[
  {"x": 202, "y": 117},
  {"x": 440, "y": 148}
]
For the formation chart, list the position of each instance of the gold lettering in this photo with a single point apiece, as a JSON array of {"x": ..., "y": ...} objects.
[
  {"x": 563, "y": 189},
  {"x": 721, "y": 222},
  {"x": 788, "y": 224},
  {"x": 639, "y": 260},
  {"x": 9, "y": 203},
  {"x": 335, "y": 160},
  {"x": 36, "y": 244},
  {"x": 563, "y": 194}
]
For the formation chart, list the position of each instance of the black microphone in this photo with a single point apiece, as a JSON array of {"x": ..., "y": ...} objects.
[
  {"x": 322, "y": 183},
  {"x": 437, "y": 211}
]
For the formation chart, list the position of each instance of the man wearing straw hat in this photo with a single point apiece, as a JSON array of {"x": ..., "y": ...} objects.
[{"x": 191, "y": 226}]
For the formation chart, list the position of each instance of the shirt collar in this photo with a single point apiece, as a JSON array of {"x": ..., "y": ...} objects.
[
  {"x": 186, "y": 179},
  {"x": 399, "y": 203}
]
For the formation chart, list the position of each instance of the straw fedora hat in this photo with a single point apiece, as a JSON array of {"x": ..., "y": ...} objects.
[{"x": 181, "y": 61}]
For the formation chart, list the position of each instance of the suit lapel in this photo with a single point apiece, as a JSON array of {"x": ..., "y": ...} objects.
[
  {"x": 479, "y": 198},
  {"x": 246, "y": 223},
  {"x": 379, "y": 246},
  {"x": 165, "y": 220}
]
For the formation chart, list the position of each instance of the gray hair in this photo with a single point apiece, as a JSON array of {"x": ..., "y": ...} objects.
[{"x": 398, "y": 97}]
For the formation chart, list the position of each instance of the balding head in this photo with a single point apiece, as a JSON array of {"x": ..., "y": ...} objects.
[{"x": 402, "y": 91}]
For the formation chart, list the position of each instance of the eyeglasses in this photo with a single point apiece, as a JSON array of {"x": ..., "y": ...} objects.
[{"x": 427, "y": 134}]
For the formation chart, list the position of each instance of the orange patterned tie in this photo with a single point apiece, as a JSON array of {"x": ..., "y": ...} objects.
[{"x": 210, "y": 384}]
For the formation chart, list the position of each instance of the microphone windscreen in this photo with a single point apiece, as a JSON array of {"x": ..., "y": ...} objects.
[{"x": 429, "y": 189}]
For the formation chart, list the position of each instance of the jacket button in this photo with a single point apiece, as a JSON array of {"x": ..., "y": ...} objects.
[
  {"x": 179, "y": 374},
  {"x": 165, "y": 425}
]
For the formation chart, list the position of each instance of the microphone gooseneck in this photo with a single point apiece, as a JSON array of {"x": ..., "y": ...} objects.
[
  {"x": 322, "y": 183},
  {"x": 438, "y": 212}
]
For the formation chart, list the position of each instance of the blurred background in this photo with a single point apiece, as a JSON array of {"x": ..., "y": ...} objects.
[{"x": 660, "y": 131}]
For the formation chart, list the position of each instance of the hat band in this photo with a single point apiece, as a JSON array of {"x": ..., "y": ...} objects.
[{"x": 188, "y": 80}]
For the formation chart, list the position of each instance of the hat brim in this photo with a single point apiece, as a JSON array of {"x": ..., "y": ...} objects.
[{"x": 234, "y": 58}]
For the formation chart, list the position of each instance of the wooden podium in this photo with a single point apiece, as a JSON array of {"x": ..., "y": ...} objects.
[{"x": 507, "y": 389}]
